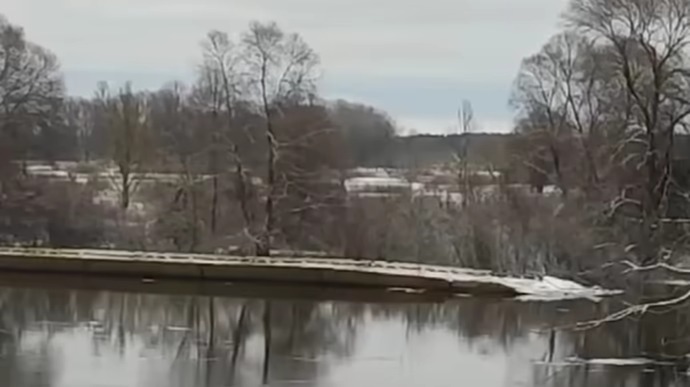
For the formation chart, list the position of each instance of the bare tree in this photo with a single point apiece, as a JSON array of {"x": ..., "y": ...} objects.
[
  {"x": 80, "y": 118},
  {"x": 466, "y": 122},
  {"x": 280, "y": 71},
  {"x": 219, "y": 86},
  {"x": 31, "y": 87},
  {"x": 220, "y": 90},
  {"x": 127, "y": 122},
  {"x": 540, "y": 96},
  {"x": 648, "y": 42},
  {"x": 173, "y": 121}
]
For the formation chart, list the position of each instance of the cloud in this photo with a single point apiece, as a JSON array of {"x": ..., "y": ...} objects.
[
  {"x": 412, "y": 58},
  {"x": 461, "y": 38}
]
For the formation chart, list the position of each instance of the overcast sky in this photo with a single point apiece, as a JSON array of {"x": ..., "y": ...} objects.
[{"x": 415, "y": 59}]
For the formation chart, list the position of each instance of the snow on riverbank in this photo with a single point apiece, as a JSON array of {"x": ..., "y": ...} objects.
[
  {"x": 552, "y": 289},
  {"x": 546, "y": 288}
]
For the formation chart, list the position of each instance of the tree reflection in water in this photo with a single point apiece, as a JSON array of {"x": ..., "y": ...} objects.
[{"x": 213, "y": 341}]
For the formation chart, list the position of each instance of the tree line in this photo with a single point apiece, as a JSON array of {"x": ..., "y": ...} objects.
[{"x": 251, "y": 129}]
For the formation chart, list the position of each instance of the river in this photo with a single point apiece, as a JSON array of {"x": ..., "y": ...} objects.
[{"x": 73, "y": 332}]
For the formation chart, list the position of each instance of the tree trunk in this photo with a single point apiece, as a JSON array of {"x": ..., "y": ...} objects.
[
  {"x": 195, "y": 219},
  {"x": 125, "y": 194},
  {"x": 214, "y": 171},
  {"x": 265, "y": 240},
  {"x": 556, "y": 159},
  {"x": 214, "y": 204}
]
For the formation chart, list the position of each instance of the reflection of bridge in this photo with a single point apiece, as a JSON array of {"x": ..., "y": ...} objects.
[{"x": 312, "y": 271}]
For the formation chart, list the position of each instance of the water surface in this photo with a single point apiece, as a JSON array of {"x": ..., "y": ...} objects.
[{"x": 190, "y": 335}]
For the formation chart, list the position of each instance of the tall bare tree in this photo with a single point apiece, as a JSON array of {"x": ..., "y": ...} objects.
[
  {"x": 219, "y": 89},
  {"x": 174, "y": 123},
  {"x": 648, "y": 42},
  {"x": 541, "y": 98},
  {"x": 281, "y": 71}
]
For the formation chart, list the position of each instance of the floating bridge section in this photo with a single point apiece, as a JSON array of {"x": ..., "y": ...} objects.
[{"x": 308, "y": 271}]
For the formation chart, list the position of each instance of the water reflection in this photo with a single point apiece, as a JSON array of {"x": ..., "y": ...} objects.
[{"x": 60, "y": 337}]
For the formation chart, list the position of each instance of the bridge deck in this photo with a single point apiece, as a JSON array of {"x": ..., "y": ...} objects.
[{"x": 312, "y": 271}]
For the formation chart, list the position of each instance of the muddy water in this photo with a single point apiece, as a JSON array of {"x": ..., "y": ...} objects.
[{"x": 165, "y": 335}]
